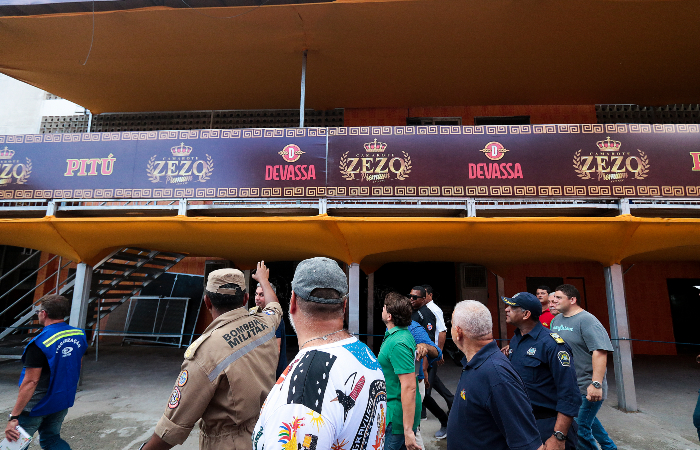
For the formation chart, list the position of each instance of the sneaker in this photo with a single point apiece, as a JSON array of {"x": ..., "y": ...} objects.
[
  {"x": 441, "y": 433},
  {"x": 424, "y": 415}
]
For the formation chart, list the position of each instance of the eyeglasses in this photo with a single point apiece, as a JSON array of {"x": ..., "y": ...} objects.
[
  {"x": 414, "y": 297},
  {"x": 38, "y": 311}
]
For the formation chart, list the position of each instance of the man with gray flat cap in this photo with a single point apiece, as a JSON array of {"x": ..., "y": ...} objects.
[
  {"x": 227, "y": 372},
  {"x": 332, "y": 394},
  {"x": 544, "y": 362}
]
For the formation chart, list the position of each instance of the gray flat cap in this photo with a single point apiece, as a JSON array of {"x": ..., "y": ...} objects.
[{"x": 319, "y": 273}]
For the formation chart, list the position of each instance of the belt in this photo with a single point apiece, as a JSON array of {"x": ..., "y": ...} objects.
[{"x": 541, "y": 412}]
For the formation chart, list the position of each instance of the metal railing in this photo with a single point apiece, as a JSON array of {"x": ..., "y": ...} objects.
[
  {"x": 48, "y": 277},
  {"x": 468, "y": 206}
]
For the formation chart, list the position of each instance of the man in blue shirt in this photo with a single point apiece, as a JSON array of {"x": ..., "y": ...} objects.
[
  {"x": 426, "y": 353},
  {"x": 49, "y": 380},
  {"x": 491, "y": 409},
  {"x": 544, "y": 362}
]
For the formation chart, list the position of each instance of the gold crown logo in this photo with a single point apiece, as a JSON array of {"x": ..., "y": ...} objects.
[
  {"x": 375, "y": 146},
  {"x": 6, "y": 153},
  {"x": 181, "y": 150},
  {"x": 609, "y": 145}
]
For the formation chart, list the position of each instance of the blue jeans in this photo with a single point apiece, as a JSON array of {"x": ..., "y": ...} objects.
[
  {"x": 49, "y": 427},
  {"x": 590, "y": 429},
  {"x": 696, "y": 416},
  {"x": 394, "y": 441}
]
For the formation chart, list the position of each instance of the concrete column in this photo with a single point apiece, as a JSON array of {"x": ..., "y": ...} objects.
[
  {"x": 354, "y": 298},
  {"x": 248, "y": 278},
  {"x": 619, "y": 333},
  {"x": 81, "y": 296},
  {"x": 502, "y": 326},
  {"x": 370, "y": 310}
]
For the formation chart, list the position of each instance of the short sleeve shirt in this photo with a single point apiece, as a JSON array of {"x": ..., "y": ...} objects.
[
  {"x": 397, "y": 357},
  {"x": 585, "y": 334},
  {"x": 439, "y": 319},
  {"x": 421, "y": 337},
  {"x": 491, "y": 410},
  {"x": 546, "y": 368},
  {"x": 426, "y": 318},
  {"x": 35, "y": 358},
  {"x": 330, "y": 396}
]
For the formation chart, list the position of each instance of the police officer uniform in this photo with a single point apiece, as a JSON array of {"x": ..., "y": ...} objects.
[
  {"x": 225, "y": 378},
  {"x": 544, "y": 362}
]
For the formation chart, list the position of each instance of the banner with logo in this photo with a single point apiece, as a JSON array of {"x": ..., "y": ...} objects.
[
  {"x": 516, "y": 161},
  {"x": 423, "y": 161},
  {"x": 164, "y": 164}
]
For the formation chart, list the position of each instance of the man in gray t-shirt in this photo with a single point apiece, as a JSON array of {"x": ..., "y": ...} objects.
[{"x": 590, "y": 345}]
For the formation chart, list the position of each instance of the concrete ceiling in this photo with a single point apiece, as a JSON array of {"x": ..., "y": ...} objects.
[{"x": 362, "y": 54}]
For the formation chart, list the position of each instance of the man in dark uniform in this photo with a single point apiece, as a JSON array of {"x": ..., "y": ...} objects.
[
  {"x": 544, "y": 362},
  {"x": 491, "y": 410}
]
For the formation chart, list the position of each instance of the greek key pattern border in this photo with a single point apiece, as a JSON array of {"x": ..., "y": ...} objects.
[
  {"x": 361, "y": 191},
  {"x": 418, "y": 130},
  {"x": 255, "y": 133},
  {"x": 526, "y": 191},
  {"x": 165, "y": 135}
]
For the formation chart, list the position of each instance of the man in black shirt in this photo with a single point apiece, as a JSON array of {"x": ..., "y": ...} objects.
[{"x": 425, "y": 317}]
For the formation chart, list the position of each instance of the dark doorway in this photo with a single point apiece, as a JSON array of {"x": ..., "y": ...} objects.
[
  {"x": 683, "y": 294},
  {"x": 402, "y": 276}
]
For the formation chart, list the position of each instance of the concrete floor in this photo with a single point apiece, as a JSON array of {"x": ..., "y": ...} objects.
[{"x": 125, "y": 392}]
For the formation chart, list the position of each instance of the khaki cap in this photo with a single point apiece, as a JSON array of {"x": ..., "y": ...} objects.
[{"x": 223, "y": 277}]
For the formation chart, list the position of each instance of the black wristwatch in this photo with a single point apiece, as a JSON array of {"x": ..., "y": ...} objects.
[
  {"x": 12, "y": 418},
  {"x": 559, "y": 435},
  {"x": 596, "y": 384}
]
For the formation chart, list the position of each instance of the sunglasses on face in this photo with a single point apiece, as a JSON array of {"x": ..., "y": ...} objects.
[{"x": 414, "y": 297}]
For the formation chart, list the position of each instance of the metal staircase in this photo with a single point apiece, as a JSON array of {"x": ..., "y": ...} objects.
[
  {"x": 117, "y": 278},
  {"x": 122, "y": 275}
]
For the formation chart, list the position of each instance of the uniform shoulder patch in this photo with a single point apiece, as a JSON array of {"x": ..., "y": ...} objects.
[
  {"x": 557, "y": 338},
  {"x": 564, "y": 358}
]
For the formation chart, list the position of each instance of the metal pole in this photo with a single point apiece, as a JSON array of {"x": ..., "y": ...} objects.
[
  {"x": 354, "y": 300},
  {"x": 370, "y": 310},
  {"x": 58, "y": 272},
  {"x": 502, "y": 326},
  {"x": 97, "y": 328},
  {"x": 81, "y": 296},
  {"x": 619, "y": 334},
  {"x": 303, "y": 91}
]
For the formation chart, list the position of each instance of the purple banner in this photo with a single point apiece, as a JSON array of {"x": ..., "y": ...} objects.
[
  {"x": 445, "y": 161},
  {"x": 517, "y": 161},
  {"x": 164, "y": 164}
]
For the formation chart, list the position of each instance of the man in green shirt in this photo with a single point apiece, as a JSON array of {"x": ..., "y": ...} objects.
[{"x": 397, "y": 358}]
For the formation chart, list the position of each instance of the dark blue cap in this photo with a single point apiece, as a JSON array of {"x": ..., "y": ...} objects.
[{"x": 526, "y": 301}]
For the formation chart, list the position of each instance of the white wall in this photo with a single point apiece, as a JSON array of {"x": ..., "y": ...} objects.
[{"x": 22, "y": 107}]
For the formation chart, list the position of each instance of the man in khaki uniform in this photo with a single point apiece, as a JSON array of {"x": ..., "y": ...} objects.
[{"x": 227, "y": 372}]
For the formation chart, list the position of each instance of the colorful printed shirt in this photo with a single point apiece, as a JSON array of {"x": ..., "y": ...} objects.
[{"x": 331, "y": 396}]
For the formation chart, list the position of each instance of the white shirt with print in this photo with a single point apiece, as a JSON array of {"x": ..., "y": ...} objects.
[
  {"x": 439, "y": 319},
  {"x": 330, "y": 397}
]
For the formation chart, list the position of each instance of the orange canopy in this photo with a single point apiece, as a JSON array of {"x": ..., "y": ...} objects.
[
  {"x": 494, "y": 242},
  {"x": 363, "y": 53}
]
